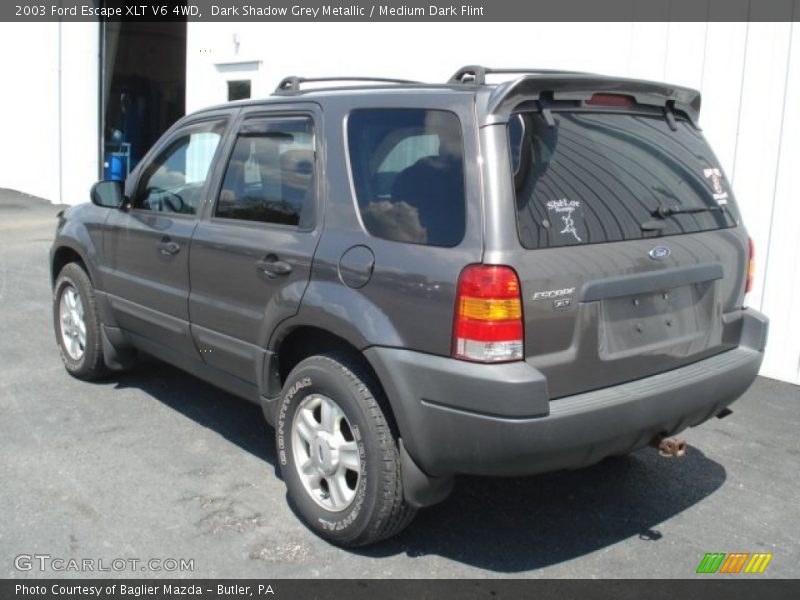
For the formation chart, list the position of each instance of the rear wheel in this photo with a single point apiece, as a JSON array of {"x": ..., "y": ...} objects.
[
  {"x": 338, "y": 454},
  {"x": 77, "y": 324}
]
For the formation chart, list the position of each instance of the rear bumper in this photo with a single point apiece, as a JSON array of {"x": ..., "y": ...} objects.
[{"x": 457, "y": 417}]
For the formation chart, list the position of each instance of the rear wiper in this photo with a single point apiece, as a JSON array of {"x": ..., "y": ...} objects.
[{"x": 663, "y": 212}]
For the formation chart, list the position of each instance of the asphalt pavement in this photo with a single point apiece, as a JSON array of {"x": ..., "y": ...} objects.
[{"x": 154, "y": 464}]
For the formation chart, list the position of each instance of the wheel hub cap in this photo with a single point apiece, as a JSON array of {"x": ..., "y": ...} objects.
[
  {"x": 73, "y": 326},
  {"x": 325, "y": 452}
]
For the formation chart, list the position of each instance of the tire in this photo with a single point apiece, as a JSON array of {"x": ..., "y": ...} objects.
[
  {"x": 87, "y": 361},
  {"x": 372, "y": 508}
]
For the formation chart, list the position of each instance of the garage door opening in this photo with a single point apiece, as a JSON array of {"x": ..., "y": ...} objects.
[{"x": 143, "y": 74}]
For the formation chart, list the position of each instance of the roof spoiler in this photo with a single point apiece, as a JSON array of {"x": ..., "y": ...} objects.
[{"x": 567, "y": 85}]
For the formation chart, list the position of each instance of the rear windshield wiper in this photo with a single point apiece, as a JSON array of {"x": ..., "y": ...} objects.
[{"x": 664, "y": 212}]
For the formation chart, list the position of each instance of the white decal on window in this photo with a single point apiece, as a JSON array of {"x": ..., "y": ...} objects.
[
  {"x": 567, "y": 207},
  {"x": 720, "y": 195}
]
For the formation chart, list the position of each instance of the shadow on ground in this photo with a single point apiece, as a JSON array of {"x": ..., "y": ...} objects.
[
  {"x": 503, "y": 525},
  {"x": 519, "y": 524},
  {"x": 237, "y": 420}
]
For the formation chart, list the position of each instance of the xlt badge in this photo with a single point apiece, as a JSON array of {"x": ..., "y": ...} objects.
[{"x": 563, "y": 303}]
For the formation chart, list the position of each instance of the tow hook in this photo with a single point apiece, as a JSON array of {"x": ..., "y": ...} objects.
[{"x": 670, "y": 448}]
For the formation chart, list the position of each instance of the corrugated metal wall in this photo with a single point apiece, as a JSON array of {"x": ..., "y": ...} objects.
[
  {"x": 765, "y": 173},
  {"x": 750, "y": 80}
]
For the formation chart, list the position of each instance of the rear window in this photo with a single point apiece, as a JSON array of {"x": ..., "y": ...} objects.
[
  {"x": 270, "y": 175},
  {"x": 598, "y": 177},
  {"x": 408, "y": 172}
]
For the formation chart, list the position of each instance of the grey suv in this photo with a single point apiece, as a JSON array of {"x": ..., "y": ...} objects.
[{"x": 421, "y": 280}]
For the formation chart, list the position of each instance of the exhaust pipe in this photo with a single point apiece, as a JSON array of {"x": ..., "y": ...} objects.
[{"x": 670, "y": 447}]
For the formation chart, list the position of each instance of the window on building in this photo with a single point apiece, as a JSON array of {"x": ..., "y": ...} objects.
[
  {"x": 270, "y": 176},
  {"x": 239, "y": 89}
]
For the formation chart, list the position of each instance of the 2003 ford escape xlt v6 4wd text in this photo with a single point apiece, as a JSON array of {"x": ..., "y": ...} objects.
[{"x": 417, "y": 281}]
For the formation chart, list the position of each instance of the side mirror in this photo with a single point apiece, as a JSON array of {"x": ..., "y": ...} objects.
[{"x": 108, "y": 194}]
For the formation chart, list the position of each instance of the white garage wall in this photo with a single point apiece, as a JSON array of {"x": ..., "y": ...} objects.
[
  {"x": 749, "y": 75},
  {"x": 49, "y": 105},
  {"x": 28, "y": 154},
  {"x": 80, "y": 102}
]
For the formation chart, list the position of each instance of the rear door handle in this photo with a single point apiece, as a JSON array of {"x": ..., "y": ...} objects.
[
  {"x": 168, "y": 247},
  {"x": 273, "y": 266}
]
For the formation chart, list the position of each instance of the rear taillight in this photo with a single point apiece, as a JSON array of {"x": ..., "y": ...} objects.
[
  {"x": 751, "y": 266},
  {"x": 488, "y": 322}
]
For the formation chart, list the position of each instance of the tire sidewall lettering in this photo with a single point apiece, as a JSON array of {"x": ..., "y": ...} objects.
[{"x": 304, "y": 383}]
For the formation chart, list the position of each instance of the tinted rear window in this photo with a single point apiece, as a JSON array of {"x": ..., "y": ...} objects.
[
  {"x": 408, "y": 172},
  {"x": 270, "y": 175},
  {"x": 597, "y": 177}
]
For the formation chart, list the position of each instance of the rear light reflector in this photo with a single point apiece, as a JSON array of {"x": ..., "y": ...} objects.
[
  {"x": 488, "y": 321},
  {"x": 488, "y": 309},
  {"x": 751, "y": 266}
]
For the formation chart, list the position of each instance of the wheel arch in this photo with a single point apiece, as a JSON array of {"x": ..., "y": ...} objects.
[
  {"x": 302, "y": 341},
  {"x": 63, "y": 255},
  {"x": 332, "y": 317}
]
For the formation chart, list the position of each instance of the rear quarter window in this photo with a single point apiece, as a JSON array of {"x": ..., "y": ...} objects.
[
  {"x": 408, "y": 173},
  {"x": 598, "y": 177}
]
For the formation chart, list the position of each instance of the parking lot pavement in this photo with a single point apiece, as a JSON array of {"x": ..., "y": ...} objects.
[{"x": 154, "y": 464}]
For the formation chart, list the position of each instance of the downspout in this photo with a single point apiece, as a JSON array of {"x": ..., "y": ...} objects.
[{"x": 60, "y": 121}]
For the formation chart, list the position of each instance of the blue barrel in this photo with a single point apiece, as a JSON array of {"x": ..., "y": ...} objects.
[{"x": 115, "y": 166}]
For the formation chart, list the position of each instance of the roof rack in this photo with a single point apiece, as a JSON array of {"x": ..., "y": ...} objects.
[
  {"x": 476, "y": 74},
  {"x": 291, "y": 85}
]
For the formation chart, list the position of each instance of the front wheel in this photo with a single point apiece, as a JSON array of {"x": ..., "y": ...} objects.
[
  {"x": 77, "y": 324},
  {"x": 338, "y": 454}
]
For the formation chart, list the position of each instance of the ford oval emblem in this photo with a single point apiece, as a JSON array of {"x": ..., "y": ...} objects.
[{"x": 660, "y": 253}]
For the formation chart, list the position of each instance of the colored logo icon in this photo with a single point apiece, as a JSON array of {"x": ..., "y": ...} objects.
[{"x": 735, "y": 562}]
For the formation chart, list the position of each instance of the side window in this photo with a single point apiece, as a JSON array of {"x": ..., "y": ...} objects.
[
  {"x": 408, "y": 172},
  {"x": 270, "y": 175},
  {"x": 175, "y": 180}
]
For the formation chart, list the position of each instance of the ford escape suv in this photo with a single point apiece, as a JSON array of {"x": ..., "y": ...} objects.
[{"x": 422, "y": 280}]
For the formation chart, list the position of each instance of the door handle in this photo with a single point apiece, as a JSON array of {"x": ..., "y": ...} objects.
[
  {"x": 168, "y": 247},
  {"x": 272, "y": 266}
]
